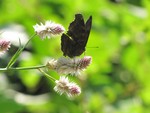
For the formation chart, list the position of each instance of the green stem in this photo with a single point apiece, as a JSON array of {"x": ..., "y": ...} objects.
[
  {"x": 47, "y": 75},
  {"x": 29, "y": 41},
  {"x": 16, "y": 55},
  {"x": 22, "y": 68}
]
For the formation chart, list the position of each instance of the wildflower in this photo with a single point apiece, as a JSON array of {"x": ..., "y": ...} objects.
[
  {"x": 48, "y": 29},
  {"x": 69, "y": 66},
  {"x": 63, "y": 85},
  {"x": 4, "y": 45},
  {"x": 74, "y": 90}
]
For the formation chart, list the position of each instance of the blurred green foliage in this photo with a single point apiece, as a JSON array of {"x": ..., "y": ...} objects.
[{"x": 117, "y": 81}]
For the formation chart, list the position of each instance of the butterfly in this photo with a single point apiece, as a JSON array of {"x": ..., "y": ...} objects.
[{"x": 74, "y": 41}]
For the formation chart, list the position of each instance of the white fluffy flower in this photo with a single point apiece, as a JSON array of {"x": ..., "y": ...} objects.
[
  {"x": 69, "y": 66},
  {"x": 74, "y": 90},
  {"x": 48, "y": 29},
  {"x": 63, "y": 85},
  {"x": 4, "y": 46}
]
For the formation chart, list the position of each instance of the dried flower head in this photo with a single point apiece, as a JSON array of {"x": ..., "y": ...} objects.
[
  {"x": 63, "y": 85},
  {"x": 48, "y": 29},
  {"x": 4, "y": 45},
  {"x": 69, "y": 66}
]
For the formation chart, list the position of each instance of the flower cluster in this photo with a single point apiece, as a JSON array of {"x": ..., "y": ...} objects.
[
  {"x": 48, "y": 29},
  {"x": 63, "y": 65},
  {"x": 68, "y": 66}
]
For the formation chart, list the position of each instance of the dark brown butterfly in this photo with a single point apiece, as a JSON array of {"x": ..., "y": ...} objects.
[{"x": 74, "y": 41}]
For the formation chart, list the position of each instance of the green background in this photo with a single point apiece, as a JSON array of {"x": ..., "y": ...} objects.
[{"x": 117, "y": 81}]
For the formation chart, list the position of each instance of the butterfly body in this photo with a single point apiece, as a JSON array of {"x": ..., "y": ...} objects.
[{"x": 74, "y": 41}]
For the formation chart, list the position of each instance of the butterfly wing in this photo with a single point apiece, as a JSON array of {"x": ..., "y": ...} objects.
[
  {"x": 88, "y": 26},
  {"x": 73, "y": 43},
  {"x": 66, "y": 45},
  {"x": 76, "y": 28}
]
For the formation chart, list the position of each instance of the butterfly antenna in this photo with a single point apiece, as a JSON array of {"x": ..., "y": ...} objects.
[{"x": 93, "y": 47}]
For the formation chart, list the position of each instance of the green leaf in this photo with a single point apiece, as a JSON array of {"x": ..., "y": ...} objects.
[
  {"x": 16, "y": 55},
  {"x": 14, "y": 58}
]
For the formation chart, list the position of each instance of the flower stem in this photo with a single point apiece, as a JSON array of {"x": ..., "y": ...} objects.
[
  {"x": 17, "y": 54},
  {"x": 29, "y": 41},
  {"x": 47, "y": 75},
  {"x": 22, "y": 68}
]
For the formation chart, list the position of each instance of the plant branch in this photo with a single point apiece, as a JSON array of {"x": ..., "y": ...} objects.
[
  {"x": 47, "y": 75},
  {"x": 22, "y": 68},
  {"x": 16, "y": 55}
]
